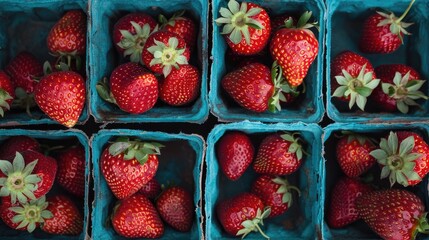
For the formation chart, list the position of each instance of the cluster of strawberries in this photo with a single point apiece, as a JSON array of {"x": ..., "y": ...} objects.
[
  {"x": 27, "y": 176},
  {"x": 158, "y": 66}
]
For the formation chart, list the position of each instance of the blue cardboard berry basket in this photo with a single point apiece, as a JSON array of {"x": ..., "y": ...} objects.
[
  {"x": 104, "y": 58},
  {"x": 24, "y": 26},
  {"x": 53, "y": 138},
  {"x": 180, "y": 163},
  {"x": 308, "y": 108},
  {"x": 344, "y": 23},
  {"x": 303, "y": 220},
  {"x": 359, "y": 230}
]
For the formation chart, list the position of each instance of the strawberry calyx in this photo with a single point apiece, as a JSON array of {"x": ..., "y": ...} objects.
[
  {"x": 24, "y": 100},
  {"x": 19, "y": 183},
  {"x": 281, "y": 86},
  {"x": 396, "y": 25},
  {"x": 285, "y": 189},
  {"x": 104, "y": 92},
  {"x": 356, "y": 88},
  {"x": 134, "y": 149},
  {"x": 4, "y": 97},
  {"x": 172, "y": 21},
  {"x": 404, "y": 91},
  {"x": 237, "y": 19},
  {"x": 295, "y": 146},
  {"x": 302, "y": 22},
  {"x": 422, "y": 226},
  {"x": 32, "y": 213},
  {"x": 253, "y": 225},
  {"x": 352, "y": 136},
  {"x": 397, "y": 162},
  {"x": 168, "y": 56}
]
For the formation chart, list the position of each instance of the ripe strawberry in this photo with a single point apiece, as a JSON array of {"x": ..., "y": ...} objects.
[
  {"x": 182, "y": 26},
  {"x": 404, "y": 157},
  {"x": 66, "y": 218},
  {"x": 353, "y": 156},
  {"x": 7, "y": 92},
  {"x": 127, "y": 156},
  {"x": 279, "y": 154},
  {"x": 61, "y": 96},
  {"x": 176, "y": 208},
  {"x": 71, "y": 170},
  {"x": 295, "y": 48},
  {"x": 383, "y": 33},
  {"x": 355, "y": 78},
  {"x": 247, "y": 27},
  {"x": 393, "y": 214},
  {"x": 23, "y": 70},
  {"x": 235, "y": 153},
  {"x": 18, "y": 144},
  {"x": 399, "y": 88},
  {"x": 163, "y": 51},
  {"x": 242, "y": 214},
  {"x": 181, "y": 86},
  {"x": 136, "y": 217},
  {"x": 131, "y": 32},
  {"x": 151, "y": 189},
  {"x": 275, "y": 192},
  {"x": 342, "y": 209}
]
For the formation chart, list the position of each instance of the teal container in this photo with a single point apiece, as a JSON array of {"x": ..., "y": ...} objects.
[
  {"x": 308, "y": 109},
  {"x": 359, "y": 230},
  {"x": 24, "y": 26},
  {"x": 180, "y": 163},
  {"x": 53, "y": 138},
  {"x": 345, "y": 19},
  {"x": 104, "y": 58},
  {"x": 304, "y": 219}
]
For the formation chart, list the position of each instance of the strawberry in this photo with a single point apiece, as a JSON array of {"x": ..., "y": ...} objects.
[
  {"x": 23, "y": 70},
  {"x": 127, "y": 156},
  {"x": 182, "y": 26},
  {"x": 247, "y": 27},
  {"x": 235, "y": 153},
  {"x": 342, "y": 209},
  {"x": 279, "y": 154},
  {"x": 275, "y": 192},
  {"x": 242, "y": 214},
  {"x": 136, "y": 217},
  {"x": 133, "y": 88},
  {"x": 66, "y": 218},
  {"x": 163, "y": 51},
  {"x": 352, "y": 153},
  {"x": 181, "y": 86},
  {"x": 295, "y": 48},
  {"x": 404, "y": 157},
  {"x": 29, "y": 176},
  {"x": 7, "y": 92},
  {"x": 393, "y": 214},
  {"x": 383, "y": 33},
  {"x": 176, "y": 208},
  {"x": 151, "y": 189},
  {"x": 130, "y": 33},
  {"x": 18, "y": 144},
  {"x": 355, "y": 78},
  {"x": 71, "y": 170},
  {"x": 61, "y": 96},
  {"x": 399, "y": 88}
]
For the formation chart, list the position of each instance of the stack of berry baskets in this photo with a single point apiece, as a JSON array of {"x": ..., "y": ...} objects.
[{"x": 158, "y": 46}]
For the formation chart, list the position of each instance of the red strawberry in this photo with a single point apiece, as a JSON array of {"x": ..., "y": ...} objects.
[
  {"x": 18, "y": 144},
  {"x": 275, "y": 192},
  {"x": 23, "y": 70},
  {"x": 136, "y": 217},
  {"x": 151, "y": 189},
  {"x": 164, "y": 51},
  {"x": 383, "y": 33},
  {"x": 247, "y": 27},
  {"x": 353, "y": 156},
  {"x": 131, "y": 32},
  {"x": 176, "y": 208},
  {"x": 181, "y": 86},
  {"x": 182, "y": 26},
  {"x": 7, "y": 92},
  {"x": 342, "y": 209},
  {"x": 393, "y": 214},
  {"x": 71, "y": 170},
  {"x": 235, "y": 153},
  {"x": 279, "y": 154},
  {"x": 66, "y": 218},
  {"x": 295, "y": 49},
  {"x": 61, "y": 96},
  {"x": 404, "y": 157},
  {"x": 399, "y": 88},
  {"x": 127, "y": 156},
  {"x": 354, "y": 78},
  {"x": 242, "y": 214}
]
